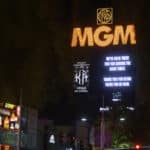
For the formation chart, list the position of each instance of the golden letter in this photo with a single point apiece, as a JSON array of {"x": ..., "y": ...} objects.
[
  {"x": 119, "y": 33},
  {"x": 87, "y": 36},
  {"x": 107, "y": 38}
]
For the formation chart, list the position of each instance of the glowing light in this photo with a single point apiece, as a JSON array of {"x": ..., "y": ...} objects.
[
  {"x": 0, "y": 120},
  {"x": 137, "y": 146},
  {"x": 131, "y": 108},
  {"x": 17, "y": 126},
  {"x": 12, "y": 126},
  {"x": 117, "y": 84},
  {"x": 69, "y": 148},
  {"x": 121, "y": 68},
  {"x": 104, "y": 108},
  {"x": 107, "y": 79},
  {"x": 122, "y": 119},
  {"x": 125, "y": 57},
  {"x": 119, "y": 81},
  {"x": 4, "y": 112},
  {"x": 112, "y": 63},
  {"x": 117, "y": 63},
  {"x": 13, "y": 117},
  {"x": 117, "y": 68},
  {"x": 6, "y": 147},
  {"x": 89, "y": 38},
  {"x": 117, "y": 58},
  {"x": 121, "y": 63},
  {"x": 6, "y": 122},
  {"x": 18, "y": 110},
  {"x": 84, "y": 119},
  {"x": 52, "y": 139},
  {"x": 120, "y": 35},
  {"x": 115, "y": 100},
  {"x": 112, "y": 68},
  {"x": 9, "y": 106}
]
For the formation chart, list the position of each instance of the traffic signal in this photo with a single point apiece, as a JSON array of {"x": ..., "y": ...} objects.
[{"x": 137, "y": 146}]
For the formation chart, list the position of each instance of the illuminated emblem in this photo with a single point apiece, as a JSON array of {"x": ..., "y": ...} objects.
[
  {"x": 81, "y": 77},
  {"x": 104, "y": 16},
  {"x": 104, "y": 35}
]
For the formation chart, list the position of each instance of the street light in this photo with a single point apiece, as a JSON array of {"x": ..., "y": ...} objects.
[
  {"x": 83, "y": 119},
  {"x": 122, "y": 119}
]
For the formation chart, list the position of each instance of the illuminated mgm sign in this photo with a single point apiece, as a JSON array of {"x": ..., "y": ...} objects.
[
  {"x": 104, "y": 35},
  {"x": 81, "y": 77}
]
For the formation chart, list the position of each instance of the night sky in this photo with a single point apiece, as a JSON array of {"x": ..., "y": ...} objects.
[{"x": 35, "y": 52}]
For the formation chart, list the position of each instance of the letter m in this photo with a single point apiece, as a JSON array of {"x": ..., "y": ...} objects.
[
  {"x": 81, "y": 39},
  {"x": 129, "y": 34}
]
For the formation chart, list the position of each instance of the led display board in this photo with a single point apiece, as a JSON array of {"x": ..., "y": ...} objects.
[
  {"x": 117, "y": 67},
  {"x": 119, "y": 78},
  {"x": 81, "y": 77}
]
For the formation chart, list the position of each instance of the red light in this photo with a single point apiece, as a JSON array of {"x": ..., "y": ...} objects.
[{"x": 137, "y": 146}]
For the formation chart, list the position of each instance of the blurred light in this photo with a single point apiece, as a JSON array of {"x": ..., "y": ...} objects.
[
  {"x": 126, "y": 78},
  {"x": 128, "y": 63},
  {"x": 116, "y": 96},
  {"x": 125, "y": 57},
  {"x": 117, "y": 68},
  {"x": 117, "y": 84},
  {"x": 6, "y": 147},
  {"x": 117, "y": 63},
  {"x": 120, "y": 63},
  {"x": 116, "y": 58},
  {"x": 116, "y": 99},
  {"x": 69, "y": 148},
  {"x": 13, "y": 117},
  {"x": 83, "y": 119},
  {"x": 52, "y": 139},
  {"x": 18, "y": 110},
  {"x": 1, "y": 121},
  {"x": 137, "y": 146},
  {"x": 9, "y": 106},
  {"x": 122, "y": 119},
  {"x": 104, "y": 109},
  {"x": 131, "y": 108},
  {"x": 117, "y": 81}
]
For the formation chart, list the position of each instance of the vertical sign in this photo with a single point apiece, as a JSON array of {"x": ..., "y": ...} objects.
[
  {"x": 119, "y": 77},
  {"x": 81, "y": 77}
]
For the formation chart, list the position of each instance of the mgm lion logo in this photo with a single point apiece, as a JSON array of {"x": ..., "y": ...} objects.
[{"x": 104, "y": 16}]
